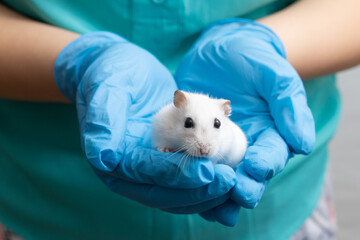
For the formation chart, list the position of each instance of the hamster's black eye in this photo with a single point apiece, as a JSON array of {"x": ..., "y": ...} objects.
[
  {"x": 189, "y": 123},
  {"x": 217, "y": 123}
]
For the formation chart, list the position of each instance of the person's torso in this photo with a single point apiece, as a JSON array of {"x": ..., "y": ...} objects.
[{"x": 49, "y": 191}]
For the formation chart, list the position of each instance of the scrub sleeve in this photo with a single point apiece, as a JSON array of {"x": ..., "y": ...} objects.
[{"x": 49, "y": 191}]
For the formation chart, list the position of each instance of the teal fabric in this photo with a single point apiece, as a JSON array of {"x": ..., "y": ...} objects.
[{"x": 47, "y": 188}]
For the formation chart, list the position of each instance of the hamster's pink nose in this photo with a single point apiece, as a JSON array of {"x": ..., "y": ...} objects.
[{"x": 204, "y": 151}]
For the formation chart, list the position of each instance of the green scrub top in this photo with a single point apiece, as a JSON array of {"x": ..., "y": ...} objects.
[{"x": 49, "y": 191}]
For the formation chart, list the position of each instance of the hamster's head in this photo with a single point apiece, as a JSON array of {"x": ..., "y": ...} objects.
[{"x": 200, "y": 123}]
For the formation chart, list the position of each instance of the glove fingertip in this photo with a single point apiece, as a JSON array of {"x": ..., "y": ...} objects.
[
  {"x": 306, "y": 143},
  {"x": 208, "y": 215},
  {"x": 247, "y": 192},
  {"x": 227, "y": 214},
  {"x": 258, "y": 168}
]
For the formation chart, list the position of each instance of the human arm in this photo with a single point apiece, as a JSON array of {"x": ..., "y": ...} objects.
[
  {"x": 28, "y": 52},
  {"x": 320, "y": 36}
]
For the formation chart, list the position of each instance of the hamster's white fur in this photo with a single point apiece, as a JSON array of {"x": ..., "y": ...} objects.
[{"x": 226, "y": 144}]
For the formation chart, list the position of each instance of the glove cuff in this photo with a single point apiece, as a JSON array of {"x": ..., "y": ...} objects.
[
  {"x": 253, "y": 28},
  {"x": 77, "y": 56}
]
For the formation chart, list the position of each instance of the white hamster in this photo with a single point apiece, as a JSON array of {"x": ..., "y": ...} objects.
[{"x": 199, "y": 126}]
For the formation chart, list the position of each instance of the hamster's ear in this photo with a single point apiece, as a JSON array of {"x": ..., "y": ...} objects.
[
  {"x": 225, "y": 104},
  {"x": 179, "y": 98}
]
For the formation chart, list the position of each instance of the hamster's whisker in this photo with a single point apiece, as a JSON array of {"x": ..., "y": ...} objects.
[
  {"x": 181, "y": 162},
  {"x": 178, "y": 166},
  {"x": 181, "y": 166},
  {"x": 188, "y": 155},
  {"x": 183, "y": 147},
  {"x": 178, "y": 150},
  {"x": 221, "y": 156},
  {"x": 186, "y": 162}
]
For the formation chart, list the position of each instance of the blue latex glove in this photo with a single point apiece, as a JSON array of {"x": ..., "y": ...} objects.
[
  {"x": 118, "y": 87},
  {"x": 245, "y": 62}
]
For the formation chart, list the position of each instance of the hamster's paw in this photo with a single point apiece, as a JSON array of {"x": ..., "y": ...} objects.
[{"x": 164, "y": 149}]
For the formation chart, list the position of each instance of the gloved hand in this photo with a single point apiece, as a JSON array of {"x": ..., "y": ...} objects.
[
  {"x": 245, "y": 62},
  {"x": 118, "y": 87}
]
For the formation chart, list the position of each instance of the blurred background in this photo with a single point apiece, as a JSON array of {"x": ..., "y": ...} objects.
[{"x": 345, "y": 157}]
